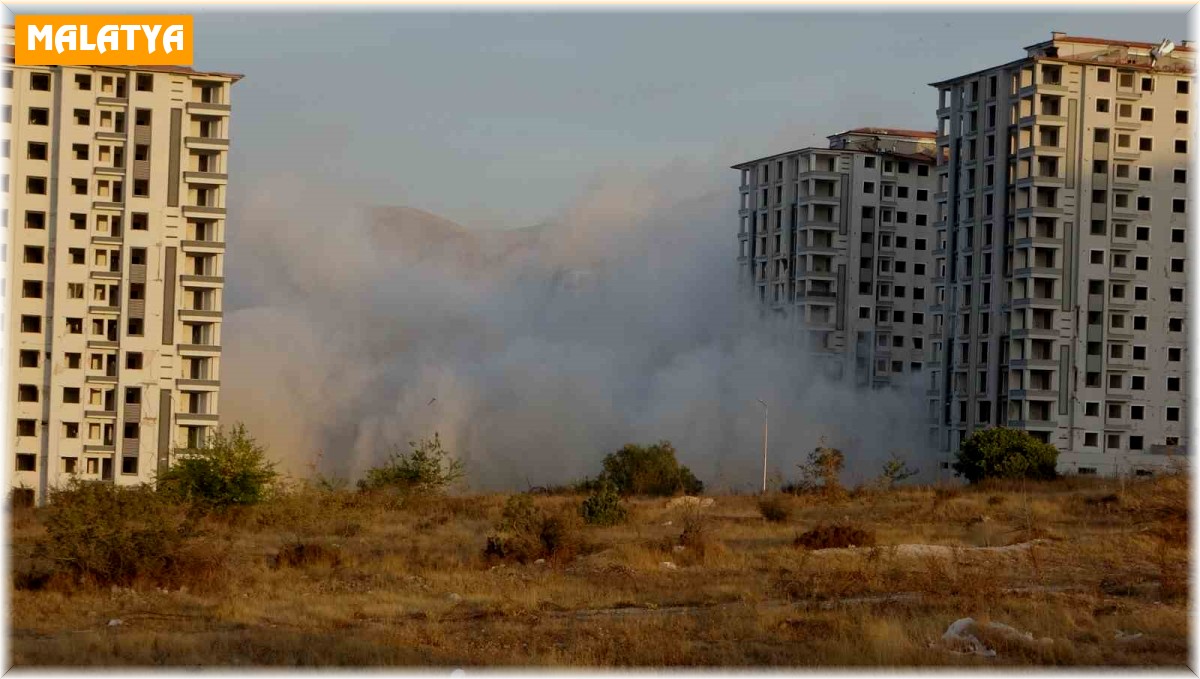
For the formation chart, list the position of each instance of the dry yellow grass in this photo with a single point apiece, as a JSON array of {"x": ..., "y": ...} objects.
[{"x": 1085, "y": 568}]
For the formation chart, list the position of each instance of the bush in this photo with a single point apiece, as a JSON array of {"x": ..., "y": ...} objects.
[
  {"x": 427, "y": 468},
  {"x": 1003, "y": 453},
  {"x": 603, "y": 507},
  {"x": 894, "y": 471},
  {"x": 231, "y": 469},
  {"x": 831, "y": 536},
  {"x": 101, "y": 534},
  {"x": 649, "y": 470},
  {"x": 775, "y": 508},
  {"x": 526, "y": 533}
]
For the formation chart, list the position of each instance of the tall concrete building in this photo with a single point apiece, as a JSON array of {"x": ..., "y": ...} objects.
[
  {"x": 1062, "y": 209},
  {"x": 115, "y": 241},
  {"x": 839, "y": 240}
]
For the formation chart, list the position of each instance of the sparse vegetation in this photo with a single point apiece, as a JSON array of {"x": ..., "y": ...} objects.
[
  {"x": 347, "y": 578},
  {"x": 1003, "y": 453},
  {"x": 775, "y": 508},
  {"x": 894, "y": 471},
  {"x": 821, "y": 473},
  {"x": 426, "y": 468},
  {"x": 835, "y": 535},
  {"x": 231, "y": 469}
]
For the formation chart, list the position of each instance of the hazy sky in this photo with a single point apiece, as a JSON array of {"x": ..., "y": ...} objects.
[{"x": 500, "y": 119}]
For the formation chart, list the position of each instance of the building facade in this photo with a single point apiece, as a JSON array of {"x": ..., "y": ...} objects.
[
  {"x": 115, "y": 237},
  {"x": 839, "y": 241},
  {"x": 1061, "y": 273}
]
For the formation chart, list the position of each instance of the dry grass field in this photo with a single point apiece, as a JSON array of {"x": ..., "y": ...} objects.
[{"x": 1083, "y": 573}]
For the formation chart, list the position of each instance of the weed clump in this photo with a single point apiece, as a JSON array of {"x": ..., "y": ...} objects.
[
  {"x": 231, "y": 469},
  {"x": 426, "y": 468},
  {"x": 526, "y": 533},
  {"x": 836, "y": 535}
]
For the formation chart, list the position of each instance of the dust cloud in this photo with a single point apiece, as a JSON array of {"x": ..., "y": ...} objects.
[{"x": 533, "y": 352}]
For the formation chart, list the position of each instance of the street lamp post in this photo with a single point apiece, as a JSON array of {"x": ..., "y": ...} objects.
[{"x": 766, "y": 412}]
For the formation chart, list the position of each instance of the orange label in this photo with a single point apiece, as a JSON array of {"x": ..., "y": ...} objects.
[{"x": 103, "y": 40}]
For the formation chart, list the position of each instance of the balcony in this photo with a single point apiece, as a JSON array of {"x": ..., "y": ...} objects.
[
  {"x": 102, "y": 414},
  {"x": 202, "y": 246},
  {"x": 208, "y": 109},
  {"x": 202, "y": 211},
  {"x": 200, "y": 349},
  {"x": 198, "y": 418},
  {"x": 104, "y": 310},
  {"x": 206, "y": 143},
  {"x": 109, "y": 171},
  {"x": 1034, "y": 333},
  {"x": 101, "y": 379},
  {"x": 106, "y": 240},
  {"x": 102, "y": 274},
  {"x": 130, "y": 447},
  {"x": 1035, "y": 303},
  {"x": 1036, "y": 425},
  {"x": 1021, "y": 363},
  {"x": 119, "y": 102},
  {"x": 1033, "y": 394},
  {"x": 110, "y": 136},
  {"x": 206, "y": 177},
  {"x": 202, "y": 281},
  {"x": 1037, "y": 271},
  {"x": 198, "y": 385},
  {"x": 199, "y": 314}
]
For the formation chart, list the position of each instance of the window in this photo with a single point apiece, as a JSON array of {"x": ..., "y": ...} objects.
[
  {"x": 29, "y": 358},
  {"x": 864, "y": 312},
  {"x": 77, "y": 255},
  {"x": 1180, "y": 176},
  {"x": 1139, "y": 353},
  {"x": 35, "y": 186},
  {"x": 869, "y": 162},
  {"x": 26, "y": 462},
  {"x": 1091, "y": 409},
  {"x": 135, "y": 327},
  {"x": 868, "y": 187},
  {"x": 35, "y": 254},
  {"x": 26, "y": 427},
  {"x": 79, "y": 186},
  {"x": 1100, "y": 135},
  {"x": 1102, "y": 106},
  {"x": 141, "y": 187},
  {"x": 75, "y": 290},
  {"x": 1174, "y": 354},
  {"x": 70, "y": 394},
  {"x": 1178, "y": 205},
  {"x": 129, "y": 463},
  {"x": 1177, "y": 265},
  {"x": 1145, "y": 143},
  {"x": 1147, "y": 114},
  {"x": 1135, "y": 442},
  {"x": 1103, "y": 75},
  {"x": 36, "y": 150},
  {"x": 31, "y": 324},
  {"x": 1173, "y": 384},
  {"x": 75, "y": 326},
  {"x": 1143, "y": 203},
  {"x": 82, "y": 116},
  {"x": 1147, "y": 84},
  {"x": 145, "y": 82},
  {"x": 1172, "y": 414},
  {"x": 39, "y": 82},
  {"x": 133, "y": 360},
  {"x": 1176, "y": 294},
  {"x": 1175, "y": 324},
  {"x": 1180, "y": 146},
  {"x": 1181, "y": 116}
]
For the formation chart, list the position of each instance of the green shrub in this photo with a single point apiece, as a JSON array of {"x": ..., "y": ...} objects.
[
  {"x": 526, "y": 533},
  {"x": 775, "y": 508},
  {"x": 427, "y": 468},
  {"x": 603, "y": 507},
  {"x": 649, "y": 470},
  {"x": 101, "y": 534},
  {"x": 1003, "y": 453},
  {"x": 895, "y": 470},
  {"x": 231, "y": 469}
]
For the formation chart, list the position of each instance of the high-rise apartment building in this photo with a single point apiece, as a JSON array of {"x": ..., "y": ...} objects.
[
  {"x": 1061, "y": 273},
  {"x": 116, "y": 181},
  {"x": 840, "y": 241}
]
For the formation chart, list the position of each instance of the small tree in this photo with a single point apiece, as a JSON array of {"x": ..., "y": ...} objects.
[
  {"x": 1003, "y": 453},
  {"x": 230, "y": 469},
  {"x": 894, "y": 471},
  {"x": 649, "y": 470},
  {"x": 426, "y": 468},
  {"x": 822, "y": 471}
]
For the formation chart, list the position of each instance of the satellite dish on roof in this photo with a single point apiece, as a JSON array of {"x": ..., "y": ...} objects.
[{"x": 1163, "y": 49}]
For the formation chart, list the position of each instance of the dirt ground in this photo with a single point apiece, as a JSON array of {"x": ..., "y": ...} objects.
[{"x": 1075, "y": 572}]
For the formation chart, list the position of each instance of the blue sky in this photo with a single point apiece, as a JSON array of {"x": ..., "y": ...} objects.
[{"x": 501, "y": 119}]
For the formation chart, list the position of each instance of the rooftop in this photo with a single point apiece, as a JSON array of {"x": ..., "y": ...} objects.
[
  {"x": 185, "y": 70},
  {"x": 888, "y": 132}
]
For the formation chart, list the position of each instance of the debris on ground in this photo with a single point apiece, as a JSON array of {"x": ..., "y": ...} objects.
[
  {"x": 454, "y": 597},
  {"x": 960, "y": 639},
  {"x": 669, "y": 565},
  {"x": 1128, "y": 636},
  {"x": 115, "y": 622},
  {"x": 689, "y": 501}
]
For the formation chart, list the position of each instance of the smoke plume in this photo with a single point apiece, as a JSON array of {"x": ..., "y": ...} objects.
[{"x": 533, "y": 352}]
